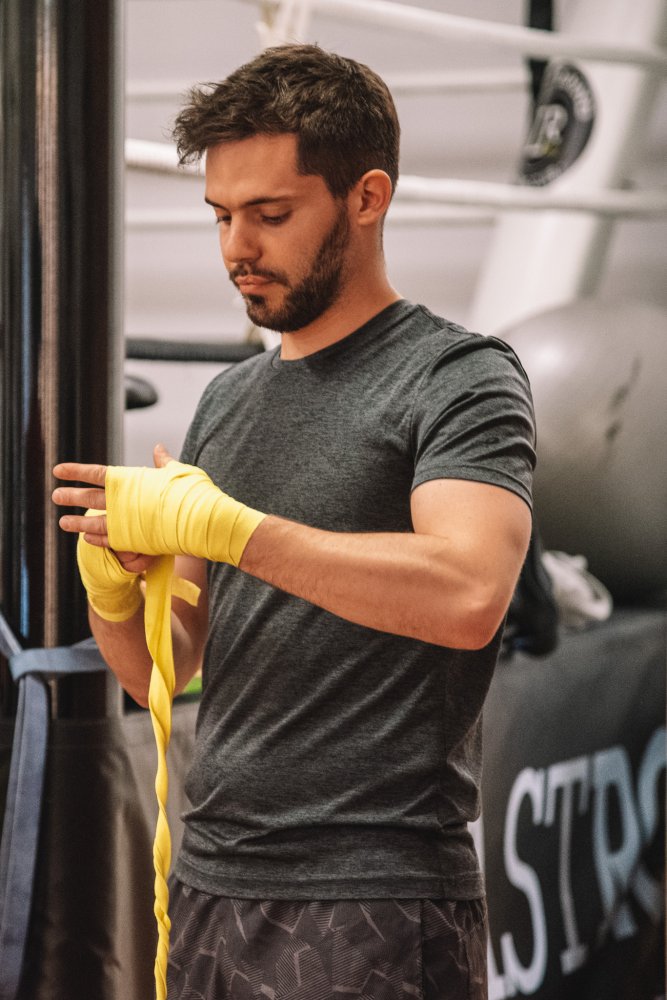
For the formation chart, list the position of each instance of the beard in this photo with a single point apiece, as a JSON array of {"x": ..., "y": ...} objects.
[{"x": 313, "y": 295}]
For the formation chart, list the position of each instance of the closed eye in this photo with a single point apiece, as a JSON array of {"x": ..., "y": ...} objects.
[
  {"x": 275, "y": 220},
  {"x": 271, "y": 220}
]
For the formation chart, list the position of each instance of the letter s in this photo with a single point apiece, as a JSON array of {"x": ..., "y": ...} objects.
[{"x": 526, "y": 978}]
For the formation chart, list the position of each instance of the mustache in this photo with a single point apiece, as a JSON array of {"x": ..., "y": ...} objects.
[{"x": 244, "y": 272}]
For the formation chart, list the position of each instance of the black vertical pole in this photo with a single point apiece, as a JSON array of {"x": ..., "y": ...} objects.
[{"x": 61, "y": 164}]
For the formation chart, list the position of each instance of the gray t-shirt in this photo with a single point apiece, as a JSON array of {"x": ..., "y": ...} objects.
[{"x": 334, "y": 760}]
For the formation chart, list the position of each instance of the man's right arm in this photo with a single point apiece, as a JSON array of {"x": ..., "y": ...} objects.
[{"x": 123, "y": 644}]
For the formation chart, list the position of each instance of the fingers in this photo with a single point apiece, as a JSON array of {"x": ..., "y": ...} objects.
[
  {"x": 71, "y": 496},
  {"x": 93, "y": 528},
  {"x": 161, "y": 456},
  {"x": 101, "y": 541},
  {"x": 77, "y": 472}
]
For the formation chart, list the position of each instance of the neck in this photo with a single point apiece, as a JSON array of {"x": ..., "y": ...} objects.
[{"x": 347, "y": 314}]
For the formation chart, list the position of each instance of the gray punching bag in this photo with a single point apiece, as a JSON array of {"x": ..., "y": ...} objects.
[{"x": 597, "y": 371}]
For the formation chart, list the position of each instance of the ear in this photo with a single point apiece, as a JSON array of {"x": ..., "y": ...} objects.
[{"x": 370, "y": 197}]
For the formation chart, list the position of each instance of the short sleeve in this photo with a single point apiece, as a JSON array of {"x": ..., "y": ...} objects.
[{"x": 473, "y": 417}]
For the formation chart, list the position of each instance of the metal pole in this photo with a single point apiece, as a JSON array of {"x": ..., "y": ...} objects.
[{"x": 61, "y": 162}]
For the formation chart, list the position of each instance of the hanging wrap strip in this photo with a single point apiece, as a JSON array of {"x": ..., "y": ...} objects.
[{"x": 160, "y": 585}]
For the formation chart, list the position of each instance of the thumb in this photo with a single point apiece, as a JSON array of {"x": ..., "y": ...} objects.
[{"x": 161, "y": 456}]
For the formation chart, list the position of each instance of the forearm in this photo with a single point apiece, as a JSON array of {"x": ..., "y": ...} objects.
[
  {"x": 123, "y": 646},
  {"x": 415, "y": 585}
]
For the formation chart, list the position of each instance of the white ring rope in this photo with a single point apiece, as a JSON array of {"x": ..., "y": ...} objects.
[
  {"x": 399, "y": 214},
  {"x": 161, "y": 157},
  {"x": 519, "y": 197},
  {"x": 524, "y": 41},
  {"x": 437, "y": 81}
]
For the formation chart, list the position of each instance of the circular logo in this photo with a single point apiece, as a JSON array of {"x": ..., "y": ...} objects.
[{"x": 561, "y": 126}]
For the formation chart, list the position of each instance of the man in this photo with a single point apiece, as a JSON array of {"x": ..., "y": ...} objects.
[{"x": 385, "y": 458}]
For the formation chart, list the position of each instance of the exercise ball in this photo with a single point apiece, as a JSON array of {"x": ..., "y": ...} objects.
[{"x": 598, "y": 375}]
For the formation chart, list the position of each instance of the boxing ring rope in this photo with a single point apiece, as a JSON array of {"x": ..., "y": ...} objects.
[
  {"x": 456, "y": 81},
  {"x": 487, "y": 194},
  {"x": 523, "y": 41},
  {"x": 162, "y": 158},
  {"x": 407, "y": 82},
  {"x": 399, "y": 215}
]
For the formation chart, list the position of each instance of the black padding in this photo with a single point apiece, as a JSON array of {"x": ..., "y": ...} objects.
[
  {"x": 532, "y": 619},
  {"x": 139, "y": 393},
  {"x": 149, "y": 349}
]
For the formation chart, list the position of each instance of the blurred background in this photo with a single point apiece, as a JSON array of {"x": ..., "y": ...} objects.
[{"x": 175, "y": 283}]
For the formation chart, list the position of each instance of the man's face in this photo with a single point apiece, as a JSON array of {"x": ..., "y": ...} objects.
[{"x": 284, "y": 238}]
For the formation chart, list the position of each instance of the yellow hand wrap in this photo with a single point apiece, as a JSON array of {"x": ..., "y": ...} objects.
[
  {"x": 176, "y": 510},
  {"x": 113, "y": 592}
]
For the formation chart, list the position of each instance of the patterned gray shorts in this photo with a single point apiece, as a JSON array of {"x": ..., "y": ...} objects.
[{"x": 387, "y": 949}]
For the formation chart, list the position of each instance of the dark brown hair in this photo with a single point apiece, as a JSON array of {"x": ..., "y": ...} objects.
[{"x": 340, "y": 110}]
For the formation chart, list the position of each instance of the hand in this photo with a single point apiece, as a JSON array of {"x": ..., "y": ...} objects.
[{"x": 94, "y": 529}]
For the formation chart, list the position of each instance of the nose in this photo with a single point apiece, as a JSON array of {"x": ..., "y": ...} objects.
[{"x": 238, "y": 243}]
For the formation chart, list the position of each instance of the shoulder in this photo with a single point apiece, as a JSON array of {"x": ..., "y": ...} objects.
[
  {"x": 453, "y": 340},
  {"x": 469, "y": 380},
  {"x": 446, "y": 350}
]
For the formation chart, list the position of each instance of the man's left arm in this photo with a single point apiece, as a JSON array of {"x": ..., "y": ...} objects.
[{"x": 449, "y": 583}]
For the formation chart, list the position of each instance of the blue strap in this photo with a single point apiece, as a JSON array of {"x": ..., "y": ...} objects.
[
  {"x": 82, "y": 658},
  {"x": 20, "y": 831}
]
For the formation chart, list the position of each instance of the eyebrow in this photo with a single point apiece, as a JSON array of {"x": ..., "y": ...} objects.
[{"x": 262, "y": 200}]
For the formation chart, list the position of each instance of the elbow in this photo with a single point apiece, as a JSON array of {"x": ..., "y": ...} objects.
[
  {"x": 486, "y": 614},
  {"x": 475, "y": 621},
  {"x": 479, "y": 632}
]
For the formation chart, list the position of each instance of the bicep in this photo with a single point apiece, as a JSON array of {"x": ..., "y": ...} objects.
[{"x": 485, "y": 524}]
